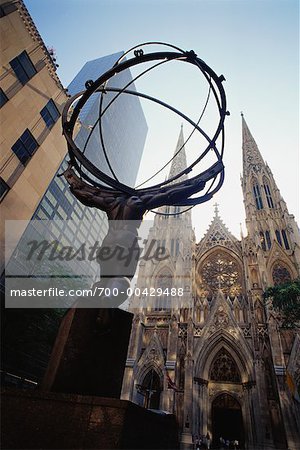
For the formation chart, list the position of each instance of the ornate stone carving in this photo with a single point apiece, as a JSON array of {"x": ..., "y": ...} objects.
[
  {"x": 221, "y": 318},
  {"x": 182, "y": 331},
  {"x": 224, "y": 368},
  {"x": 247, "y": 331},
  {"x": 221, "y": 271},
  {"x": 197, "y": 332}
]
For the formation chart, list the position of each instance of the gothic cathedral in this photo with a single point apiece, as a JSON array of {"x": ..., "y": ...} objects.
[{"x": 215, "y": 355}]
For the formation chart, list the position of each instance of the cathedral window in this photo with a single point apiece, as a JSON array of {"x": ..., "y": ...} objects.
[
  {"x": 285, "y": 239},
  {"x": 172, "y": 247},
  {"x": 177, "y": 247},
  {"x": 280, "y": 274},
  {"x": 221, "y": 271},
  {"x": 262, "y": 241},
  {"x": 268, "y": 195},
  {"x": 164, "y": 282},
  {"x": 150, "y": 390},
  {"x": 278, "y": 237},
  {"x": 257, "y": 197},
  {"x": 224, "y": 368},
  {"x": 268, "y": 239}
]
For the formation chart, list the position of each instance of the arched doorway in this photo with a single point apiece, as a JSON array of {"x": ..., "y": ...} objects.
[
  {"x": 227, "y": 420},
  {"x": 150, "y": 390}
]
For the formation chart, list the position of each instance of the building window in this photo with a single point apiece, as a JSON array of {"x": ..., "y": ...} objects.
[
  {"x": 4, "y": 188},
  {"x": 285, "y": 239},
  {"x": 7, "y": 8},
  {"x": 257, "y": 197},
  {"x": 50, "y": 114},
  {"x": 149, "y": 392},
  {"x": 3, "y": 98},
  {"x": 262, "y": 241},
  {"x": 25, "y": 147},
  {"x": 268, "y": 239},
  {"x": 278, "y": 237},
  {"x": 280, "y": 274},
  {"x": 221, "y": 271},
  {"x": 164, "y": 282},
  {"x": 177, "y": 247},
  {"x": 224, "y": 368},
  {"x": 23, "y": 67},
  {"x": 268, "y": 195},
  {"x": 172, "y": 247}
]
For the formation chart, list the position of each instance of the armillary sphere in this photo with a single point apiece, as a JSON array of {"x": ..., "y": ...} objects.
[{"x": 95, "y": 177}]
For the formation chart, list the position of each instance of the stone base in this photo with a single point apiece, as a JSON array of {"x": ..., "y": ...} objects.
[
  {"x": 89, "y": 353},
  {"x": 39, "y": 420}
]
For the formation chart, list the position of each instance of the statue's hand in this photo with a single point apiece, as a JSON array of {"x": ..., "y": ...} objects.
[
  {"x": 86, "y": 194},
  {"x": 73, "y": 180}
]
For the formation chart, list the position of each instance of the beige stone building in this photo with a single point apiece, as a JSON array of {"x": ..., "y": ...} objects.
[
  {"x": 215, "y": 354},
  {"x": 32, "y": 98}
]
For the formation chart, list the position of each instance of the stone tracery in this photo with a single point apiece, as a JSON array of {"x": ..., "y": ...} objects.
[
  {"x": 220, "y": 271},
  {"x": 224, "y": 368},
  {"x": 280, "y": 274}
]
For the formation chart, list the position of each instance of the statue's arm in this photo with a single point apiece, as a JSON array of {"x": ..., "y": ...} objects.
[
  {"x": 173, "y": 195},
  {"x": 86, "y": 194}
]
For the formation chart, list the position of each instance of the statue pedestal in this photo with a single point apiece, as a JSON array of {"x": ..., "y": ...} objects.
[
  {"x": 89, "y": 353},
  {"x": 48, "y": 420}
]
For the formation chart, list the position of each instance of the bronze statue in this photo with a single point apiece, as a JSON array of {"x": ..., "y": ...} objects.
[
  {"x": 119, "y": 206},
  {"x": 125, "y": 206}
]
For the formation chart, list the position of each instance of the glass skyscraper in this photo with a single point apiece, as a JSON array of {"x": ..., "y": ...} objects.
[{"x": 124, "y": 132}]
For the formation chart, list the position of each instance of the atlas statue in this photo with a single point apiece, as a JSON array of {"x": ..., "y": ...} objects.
[{"x": 125, "y": 206}]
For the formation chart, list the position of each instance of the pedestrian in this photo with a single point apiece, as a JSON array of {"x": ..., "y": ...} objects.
[
  {"x": 227, "y": 443},
  {"x": 222, "y": 442},
  {"x": 208, "y": 441}
]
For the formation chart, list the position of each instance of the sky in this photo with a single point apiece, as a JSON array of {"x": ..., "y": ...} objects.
[{"x": 253, "y": 43}]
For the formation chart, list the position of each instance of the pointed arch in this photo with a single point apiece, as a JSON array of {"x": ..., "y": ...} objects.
[
  {"x": 257, "y": 194},
  {"x": 279, "y": 257},
  {"x": 278, "y": 237},
  {"x": 241, "y": 355},
  {"x": 285, "y": 239},
  {"x": 268, "y": 192},
  {"x": 224, "y": 368},
  {"x": 151, "y": 361},
  {"x": 149, "y": 391},
  {"x": 280, "y": 273}
]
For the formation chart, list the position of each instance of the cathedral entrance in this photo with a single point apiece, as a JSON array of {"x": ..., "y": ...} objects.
[{"x": 227, "y": 420}]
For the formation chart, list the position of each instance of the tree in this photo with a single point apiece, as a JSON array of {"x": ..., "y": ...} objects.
[{"x": 286, "y": 299}]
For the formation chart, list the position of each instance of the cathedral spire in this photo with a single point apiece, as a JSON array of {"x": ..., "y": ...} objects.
[
  {"x": 252, "y": 159},
  {"x": 179, "y": 162}
]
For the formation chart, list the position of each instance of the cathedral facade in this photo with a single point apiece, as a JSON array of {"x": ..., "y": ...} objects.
[{"x": 214, "y": 353}]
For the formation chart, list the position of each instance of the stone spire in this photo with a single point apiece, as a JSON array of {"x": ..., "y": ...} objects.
[
  {"x": 179, "y": 162},
  {"x": 252, "y": 159}
]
